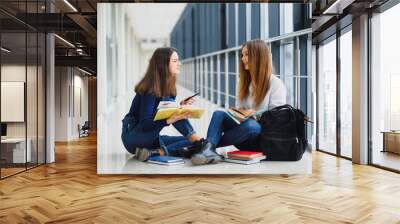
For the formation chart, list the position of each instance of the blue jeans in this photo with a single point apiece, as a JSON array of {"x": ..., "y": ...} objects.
[
  {"x": 133, "y": 136},
  {"x": 224, "y": 131}
]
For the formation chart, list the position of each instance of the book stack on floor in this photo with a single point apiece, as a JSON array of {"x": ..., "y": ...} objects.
[
  {"x": 244, "y": 157},
  {"x": 166, "y": 160}
]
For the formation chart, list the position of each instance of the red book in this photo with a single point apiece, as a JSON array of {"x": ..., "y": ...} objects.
[{"x": 244, "y": 154}]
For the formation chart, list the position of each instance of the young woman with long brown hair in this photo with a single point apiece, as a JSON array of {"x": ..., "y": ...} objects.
[
  {"x": 140, "y": 133},
  {"x": 259, "y": 90}
]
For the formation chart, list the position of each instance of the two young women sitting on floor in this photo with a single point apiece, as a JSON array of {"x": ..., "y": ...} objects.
[{"x": 259, "y": 90}]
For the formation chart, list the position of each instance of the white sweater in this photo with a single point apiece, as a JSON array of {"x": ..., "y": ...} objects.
[{"x": 276, "y": 96}]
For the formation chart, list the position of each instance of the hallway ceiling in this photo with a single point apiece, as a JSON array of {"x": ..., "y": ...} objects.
[
  {"x": 152, "y": 22},
  {"x": 330, "y": 16},
  {"x": 76, "y": 22}
]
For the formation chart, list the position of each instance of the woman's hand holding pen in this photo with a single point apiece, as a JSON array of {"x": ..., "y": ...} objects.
[{"x": 187, "y": 102}]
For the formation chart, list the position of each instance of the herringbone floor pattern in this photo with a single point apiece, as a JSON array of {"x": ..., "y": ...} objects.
[{"x": 70, "y": 191}]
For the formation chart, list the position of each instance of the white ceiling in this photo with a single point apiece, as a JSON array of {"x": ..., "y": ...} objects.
[{"x": 154, "y": 20}]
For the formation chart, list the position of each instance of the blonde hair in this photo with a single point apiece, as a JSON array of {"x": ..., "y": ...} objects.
[{"x": 259, "y": 72}]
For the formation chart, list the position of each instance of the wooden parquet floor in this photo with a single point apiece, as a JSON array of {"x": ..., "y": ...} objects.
[{"x": 70, "y": 191}]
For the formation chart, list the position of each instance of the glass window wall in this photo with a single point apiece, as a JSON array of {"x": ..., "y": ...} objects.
[
  {"x": 327, "y": 96},
  {"x": 385, "y": 89},
  {"x": 22, "y": 88}
]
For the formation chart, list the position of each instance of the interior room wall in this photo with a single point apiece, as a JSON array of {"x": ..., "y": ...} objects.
[
  {"x": 80, "y": 109},
  {"x": 61, "y": 103},
  {"x": 16, "y": 73},
  {"x": 71, "y": 87},
  {"x": 32, "y": 127}
]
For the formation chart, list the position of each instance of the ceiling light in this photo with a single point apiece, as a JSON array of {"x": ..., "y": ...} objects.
[
  {"x": 84, "y": 71},
  {"x": 326, "y": 11},
  {"x": 64, "y": 40},
  {"x": 70, "y": 5},
  {"x": 337, "y": 7},
  {"x": 5, "y": 50}
]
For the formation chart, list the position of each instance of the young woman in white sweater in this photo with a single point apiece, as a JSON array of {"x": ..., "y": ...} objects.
[{"x": 259, "y": 90}]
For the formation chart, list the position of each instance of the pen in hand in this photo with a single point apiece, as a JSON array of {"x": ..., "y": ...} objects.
[{"x": 188, "y": 98}]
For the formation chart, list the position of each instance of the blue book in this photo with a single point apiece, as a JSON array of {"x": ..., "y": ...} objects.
[{"x": 166, "y": 160}]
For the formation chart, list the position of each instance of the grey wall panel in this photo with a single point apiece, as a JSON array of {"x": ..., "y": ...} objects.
[
  {"x": 222, "y": 78},
  {"x": 273, "y": 19},
  {"x": 231, "y": 25},
  {"x": 223, "y": 26},
  {"x": 202, "y": 29},
  {"x": 275, "y": 50},
  {"x": 242, "y": 23},
  {"x": 255, "y": 21}
]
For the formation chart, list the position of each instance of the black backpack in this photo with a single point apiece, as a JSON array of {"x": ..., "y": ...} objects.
[{"x": 283, "y": 136}]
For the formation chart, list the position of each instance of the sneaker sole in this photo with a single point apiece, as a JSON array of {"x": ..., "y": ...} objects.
[
  {"x": 214, "y": 160},
  {"x": 198, "y": 160},
  {"x": 136, "y": 153},
  {"x": 202, "y": 160},
  {"x": 142, "y": 155}
]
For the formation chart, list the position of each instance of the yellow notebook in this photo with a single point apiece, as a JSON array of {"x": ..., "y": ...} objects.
[{"x": 195, "y": 112}]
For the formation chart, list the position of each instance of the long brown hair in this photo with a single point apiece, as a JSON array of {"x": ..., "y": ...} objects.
[
  {"x": 158, "y": 80},
  {"x": 259, "y": 73}
]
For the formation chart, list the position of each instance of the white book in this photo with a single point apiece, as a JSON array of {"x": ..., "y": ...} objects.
[
  {"x": 246, "y": 162},
  {"x": 166, "y": 164},
  {"x": 232, "y": 116}
]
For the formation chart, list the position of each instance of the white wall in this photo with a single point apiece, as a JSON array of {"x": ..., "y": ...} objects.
[
  {"x": 145, "y": 56},
  {"x": 33, "y": 126},
  {"x": 68, "y": 82},
  {"x": 79, "y": 117},
  {"x": 121, "y": 64},
  {"x": 12, "y": 73},
  {"x": 61, "y": 103}
]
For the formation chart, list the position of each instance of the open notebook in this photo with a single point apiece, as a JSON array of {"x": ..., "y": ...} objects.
[
  {"x": 167, "y": 108},
  {"x": 239, "y": 118}
]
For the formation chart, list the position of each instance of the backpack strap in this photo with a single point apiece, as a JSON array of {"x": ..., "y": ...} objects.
[{"x": 285, "y": 106}]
